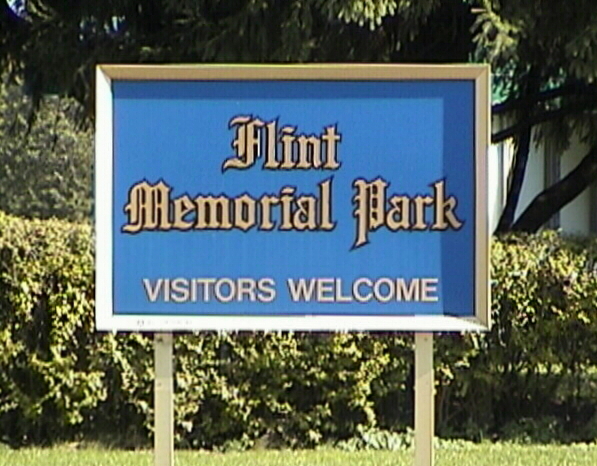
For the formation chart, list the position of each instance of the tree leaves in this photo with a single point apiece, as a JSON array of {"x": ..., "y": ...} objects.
[{"x": 45, "y": 163}]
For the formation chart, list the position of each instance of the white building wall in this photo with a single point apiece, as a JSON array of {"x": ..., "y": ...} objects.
[
  {"x": 495, "y": 185},
  {"x": 534, "y": 179},
  {"x": 575, "y": 217}
]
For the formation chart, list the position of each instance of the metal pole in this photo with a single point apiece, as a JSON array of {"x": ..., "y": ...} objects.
[
  {"x": 163, "y": 401},
  {"x": 424, "y": 399}
]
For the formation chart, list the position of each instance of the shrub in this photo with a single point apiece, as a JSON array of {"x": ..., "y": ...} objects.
[
  {"x": 48, "y": 376},
  {"x": 530, "y": 378},
  {"x": 539, "y": 360}
]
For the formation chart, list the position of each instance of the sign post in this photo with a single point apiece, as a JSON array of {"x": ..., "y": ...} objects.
[
  {"x": 163, "y": 400},
  {"x": 293, "y": 197},
  {"x": 424, "y": 399}
]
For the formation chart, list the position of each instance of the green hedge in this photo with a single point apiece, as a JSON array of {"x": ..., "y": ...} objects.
[{"x": 533, "y": 377}]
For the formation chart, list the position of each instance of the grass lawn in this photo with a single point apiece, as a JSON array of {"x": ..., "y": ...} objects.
[{"x": 470, "y": 455}]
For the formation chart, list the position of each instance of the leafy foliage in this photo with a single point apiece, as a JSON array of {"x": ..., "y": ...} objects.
[
  {"x": 277, "y": 389},
  {"x": 45, "y": 162},
  {"x": 531, "y": 378},
  {"x": 537, "y": 365},
  {"x": 544, "y": 58},
  {"x": 542, "y": 52},
  {"x": 46, "y": 381},
  {"x": 192, "y": 31},
  {"x": 55, "y": 373}
]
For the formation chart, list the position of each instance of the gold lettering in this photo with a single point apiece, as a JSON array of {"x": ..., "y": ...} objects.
[
  {"x": 271, "y": 162},
  {"x": 148, "y": 207},
  {"x": 213, "y": 213},
  {"x": 305, "y": 214},
  {"x": 401, "y": 212},
  {"x": 287, "y": 147},
  {"x": 287, "y": 139},
  {"x": 398, "y": 216},
  {"x": 246, "y": 143},
  {"x": 331, "y": 139},
  {"x": 266, "y": 212},
  {"x": 369, "y": 211},
  {"x": 325, "y": 207},
  {"x": 444, "y": 209},
  {"x": 309, "y": 152},
  {"x": 420, "y": 203},
  {"x": 244, "y": 212},
  {"x": 182, "y": 207},
  {"x": 301, "y": 151},
  {"x": 286, "y": 198}
]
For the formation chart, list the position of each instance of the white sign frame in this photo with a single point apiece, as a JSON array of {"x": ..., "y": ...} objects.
[{"x": 106, "y": 320}]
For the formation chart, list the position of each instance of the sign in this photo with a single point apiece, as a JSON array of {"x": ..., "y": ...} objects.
[{"x": 319, "y": 197}]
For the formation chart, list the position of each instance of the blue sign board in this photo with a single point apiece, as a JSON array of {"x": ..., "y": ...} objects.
[{"x": 306, "y": 197}]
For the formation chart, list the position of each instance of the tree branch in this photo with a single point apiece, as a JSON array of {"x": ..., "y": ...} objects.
[
  {"x": 524, "y": 132},
  {"x": 541, "y": 118},
  {"x": 558, "y": 195},
  {"x": 521, "y": 158},
  {"x": 577, "y": 88}
]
